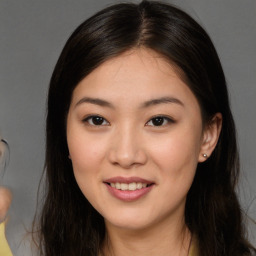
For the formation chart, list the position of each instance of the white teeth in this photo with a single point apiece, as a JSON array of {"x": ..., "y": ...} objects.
[
  {"x": 118, "y": 185},
  {"x": 124, "y": 186},
  {"x": 130, "y": 186},
  {"x": 139, "y": 185}
]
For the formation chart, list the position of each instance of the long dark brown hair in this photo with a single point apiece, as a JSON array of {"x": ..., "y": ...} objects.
[{"x": 68, "y": 224}]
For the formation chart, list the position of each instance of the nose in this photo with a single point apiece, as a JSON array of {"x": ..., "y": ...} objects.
[{"x": 127, "y": 148}]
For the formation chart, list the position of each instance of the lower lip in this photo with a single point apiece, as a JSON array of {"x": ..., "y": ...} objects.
[{"x": 128, "y": 195}]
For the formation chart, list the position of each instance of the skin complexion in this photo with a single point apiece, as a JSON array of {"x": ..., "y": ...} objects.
[{"x": 135, "y": 136}]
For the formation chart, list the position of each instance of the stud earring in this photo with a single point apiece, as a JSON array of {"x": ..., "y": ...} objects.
[{"x": 205, "y": 155}]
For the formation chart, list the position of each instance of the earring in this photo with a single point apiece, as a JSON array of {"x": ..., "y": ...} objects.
[{"x": 205, "y": 155}]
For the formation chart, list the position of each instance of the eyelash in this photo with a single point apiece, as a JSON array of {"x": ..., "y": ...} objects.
[
  {"x": 102, "y": 120},
  {"x": 165, "y": 119},
  {"x": 89, "y": 120}
]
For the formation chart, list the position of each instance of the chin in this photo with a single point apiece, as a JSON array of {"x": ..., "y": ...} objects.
[
  {"x": 129, "y": 225},
  {"x": 129, "y": 220}
]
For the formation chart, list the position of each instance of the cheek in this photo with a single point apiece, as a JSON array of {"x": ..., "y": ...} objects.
[
  {"x": 87, "y": 154},
  {"x": 86, "y": 157},
  {"x": 176, "y": 160},
  {"x": 177, "y": 155}
]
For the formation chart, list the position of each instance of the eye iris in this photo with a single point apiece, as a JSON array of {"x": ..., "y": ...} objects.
[
  {"x": 97, "y": 120},
  {"x": 157, "y": 121}
]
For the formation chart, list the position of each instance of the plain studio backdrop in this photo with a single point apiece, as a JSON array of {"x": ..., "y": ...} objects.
[{"x": 32, "y": 35}]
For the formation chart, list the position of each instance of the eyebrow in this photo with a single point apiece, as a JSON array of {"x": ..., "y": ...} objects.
[
  {"x": 161, "y": 101},
  {"x": 95, "y": 101},
  {"x": 149, "y": 103}
]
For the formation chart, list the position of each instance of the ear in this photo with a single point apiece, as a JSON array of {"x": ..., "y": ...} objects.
[{"x": 210, "y": 137}]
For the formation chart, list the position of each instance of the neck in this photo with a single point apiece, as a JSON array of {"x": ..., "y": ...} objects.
[{"x": 161, "y": 239}]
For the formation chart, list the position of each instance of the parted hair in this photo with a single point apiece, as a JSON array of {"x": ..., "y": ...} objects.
[{"x": 67, "y": 223}]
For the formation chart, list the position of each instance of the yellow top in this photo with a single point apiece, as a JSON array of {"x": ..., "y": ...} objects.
[
  {"x": 4, "y": 247},
  {"x": 193, "y": 249}
]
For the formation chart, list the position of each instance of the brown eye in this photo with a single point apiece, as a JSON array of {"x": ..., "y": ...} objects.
[
  {"x": 159, "y": 121},
  {"x": 96, "y": 120}
]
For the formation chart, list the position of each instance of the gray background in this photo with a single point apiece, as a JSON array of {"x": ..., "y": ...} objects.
[{"x": 32, "y": 36}]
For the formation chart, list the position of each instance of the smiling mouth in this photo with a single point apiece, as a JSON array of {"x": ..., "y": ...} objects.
[
  {"x": 128, "y": 189},
  {"x": 129, "y": 186}
]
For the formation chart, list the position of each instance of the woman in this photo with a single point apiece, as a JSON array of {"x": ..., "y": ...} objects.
[{"x": 141, "y": 151}]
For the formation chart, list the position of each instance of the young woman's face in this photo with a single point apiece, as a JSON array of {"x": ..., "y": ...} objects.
[{"x": 134, "y": 132}]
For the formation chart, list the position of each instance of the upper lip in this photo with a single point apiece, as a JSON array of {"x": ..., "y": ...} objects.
[{"x": 127, "y": 180}]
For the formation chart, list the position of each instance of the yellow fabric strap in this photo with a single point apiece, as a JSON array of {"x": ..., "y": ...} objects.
[{"x": 4, "y": 247}]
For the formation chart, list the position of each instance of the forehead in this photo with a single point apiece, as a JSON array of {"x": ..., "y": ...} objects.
[
  {"x": 135, "y": 75},
  {"x": 138, "y": 62}
]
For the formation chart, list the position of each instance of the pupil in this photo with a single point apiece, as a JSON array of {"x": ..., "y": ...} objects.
[
  {"x": 97, "y": 120},
  {"x": 158, "y": 121}
]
